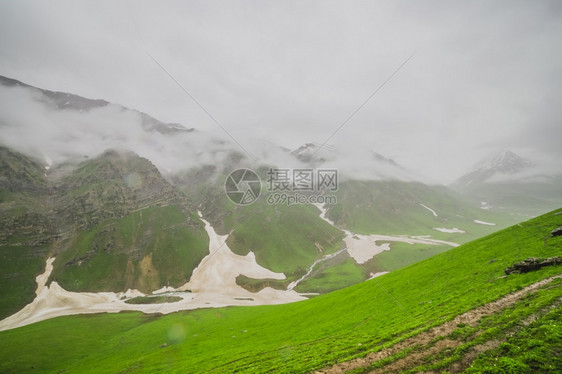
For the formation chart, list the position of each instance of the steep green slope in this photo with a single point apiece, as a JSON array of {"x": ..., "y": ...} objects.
[
  {"x": 145, "y": 250},
  {"x": 527, "y": 197},
  {"x": 130, "y": 227},
  {"x": 26, "y": 231},
  {"x": 297, "y": 337},
  {"x": 290, "y": 238},
  {"x": 284, "y": 238},
  {"x": 395, "y": 207},
  {"x": 402, "y": 208},
  {"x": 112, "y": 221}
]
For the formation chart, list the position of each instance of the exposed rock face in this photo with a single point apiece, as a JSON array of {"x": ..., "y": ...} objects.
[
  {"x": 114, "y": 216},
  {"x": 557, "y": 232},
  {"x": 35, "y": 210},
  {"x": 532, "y": 263},
  {"x": 111, "y": 186}
]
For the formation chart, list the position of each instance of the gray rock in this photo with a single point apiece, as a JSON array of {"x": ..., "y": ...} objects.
[
  {"x": 557, "y": 232},
  {"x": 532, "y": 263}
]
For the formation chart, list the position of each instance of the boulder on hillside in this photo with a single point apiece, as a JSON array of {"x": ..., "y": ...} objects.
[{"x": 532, "y": 263}]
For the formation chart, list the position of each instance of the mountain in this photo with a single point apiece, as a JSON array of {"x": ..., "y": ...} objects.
[
  {"x": 57, "y": 127},
  {"x": 113, "y": 222},
  {"x": 26, "y": 230},
  {"x": 70, "y": 102},
  {"x": 398, "y": 207},
  {"x": 457, "y": 311},
  {"x": 313, "y": 153},
  {"x": 502, "y": 166},
  {"x": 114, "y": 194},
  {"x": 513, "y": 184},
  {"x": 358, "y": 163},
  {"x": 101, "y": 199}
]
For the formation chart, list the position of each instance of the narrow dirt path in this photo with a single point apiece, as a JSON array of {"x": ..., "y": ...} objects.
[{"x": 469, "y": 318}]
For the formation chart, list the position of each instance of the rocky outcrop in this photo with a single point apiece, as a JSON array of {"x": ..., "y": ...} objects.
[
  {"x": 531, "y": 264},
  {"x": 114, "y": 215}
]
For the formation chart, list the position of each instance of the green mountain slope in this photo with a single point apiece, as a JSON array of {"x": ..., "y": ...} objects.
[
  {"x": 284, "y": 238},
  {"x": 289, "y": 239},
  {"x": 307, "y": 335},
  {"x": 130, "y": 228},
  {"x": 113, "y": 222},
  {"x": 396, "y": 207},
  {"x": 526, "y": 197},
  {"x": 26, "y": 230}
]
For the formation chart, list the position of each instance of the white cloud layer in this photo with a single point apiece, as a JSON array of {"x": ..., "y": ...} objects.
[{"x": 484, "y": 76}]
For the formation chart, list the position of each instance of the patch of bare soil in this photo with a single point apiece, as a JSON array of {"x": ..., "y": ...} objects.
[{"x": 424, "y": 339}]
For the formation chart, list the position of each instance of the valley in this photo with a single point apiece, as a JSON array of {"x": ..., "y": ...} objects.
[
  {"x": 349, "y": 324},
  {"x": 126, "y": 253},
  {"x": 212, "y": 285}
]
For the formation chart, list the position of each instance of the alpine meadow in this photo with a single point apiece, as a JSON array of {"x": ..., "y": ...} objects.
[{"x": 280, "y": 187}]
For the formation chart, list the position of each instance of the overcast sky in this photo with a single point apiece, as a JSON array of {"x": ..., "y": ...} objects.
[{"x": 484, "y": 76}]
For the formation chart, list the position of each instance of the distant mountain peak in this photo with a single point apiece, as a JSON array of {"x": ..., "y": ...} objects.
[
  {"x": 503, "y": 164},
  {"x": 506, "y": 162},
  {"x": 309, "y": 152},
  {"x": 377, "y": 156}
]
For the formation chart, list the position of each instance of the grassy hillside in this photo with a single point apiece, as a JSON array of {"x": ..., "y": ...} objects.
[
  {"x": 26, "y": 231},
  {"x": 145, "y": 250},
  {"x": 398, "y": 208},
  {"x": 130, "y": 227},
  {"x": 297, "y": 337},
  {"x": 526, "y": 197},
  {"x": 285, "y": 239},
  {"x": 112, "y": 221},
  {"x": 394, "y": 207}
]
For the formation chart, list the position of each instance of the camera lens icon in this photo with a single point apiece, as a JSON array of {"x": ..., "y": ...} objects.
[{"x": 243, "y": 186}]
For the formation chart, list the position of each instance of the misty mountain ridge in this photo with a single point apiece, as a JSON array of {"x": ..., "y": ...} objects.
[
  {"x": 512, "y": 183},
  {"x": 505, "y": 166},
  {"x": 67, "y": 101},
  {"x": 60, "y": 127}
]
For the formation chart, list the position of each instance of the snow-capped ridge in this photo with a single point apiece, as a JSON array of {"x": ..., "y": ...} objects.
[{"x": 505, "y": 165}]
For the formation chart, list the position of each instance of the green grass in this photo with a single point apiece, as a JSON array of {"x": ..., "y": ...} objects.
[
  {"x": 393, "y": 207},
  {"x": 297, "y": 337},
  {"x": 256, "y": 285},
  {"x": 68, "y": 343},
  {"x": 536, "y": 349},
  {"x": 153, "y": 299},
  {"x": 18, "y": 268},
  {"x": 527, "y": 336},
  {"x": 146, "y": 250},
  {"x": 404, "y": 254},
  {"x": 333, "y": 278},
  {"x": 284, "y": 238},
  {"x": 25, "y": 229}
]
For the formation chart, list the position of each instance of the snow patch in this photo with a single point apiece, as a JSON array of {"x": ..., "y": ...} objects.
[
  {"x": 431, "y": 210},
  {"x": 377, "y": 274},
  {"x": 362, "y": 248},
  {"x": 483, "y": 223},
  {"x": 212, "y": 285},
  {"x": 454, "y": 230}
]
